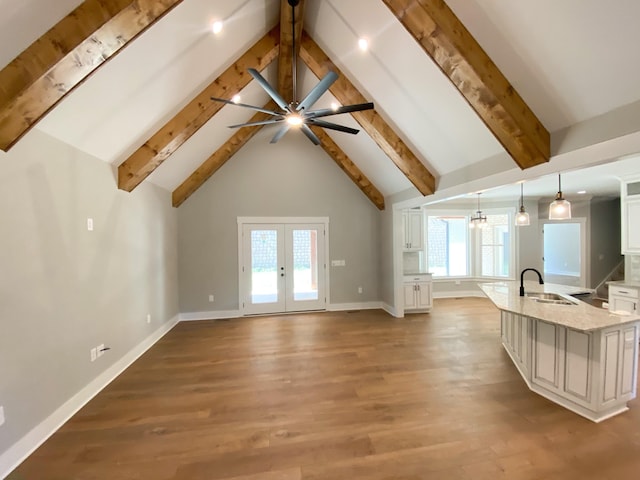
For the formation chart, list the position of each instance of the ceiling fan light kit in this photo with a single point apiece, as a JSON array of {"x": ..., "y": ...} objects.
[
  {"x": 560, "y": 209},
  {"x": 298, "y": 114}
]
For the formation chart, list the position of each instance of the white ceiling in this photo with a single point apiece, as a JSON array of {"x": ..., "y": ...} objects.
[{"x": 571, "y": 60}]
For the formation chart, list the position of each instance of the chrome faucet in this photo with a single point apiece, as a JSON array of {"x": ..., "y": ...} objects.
[{"x": 522, "y": 279}]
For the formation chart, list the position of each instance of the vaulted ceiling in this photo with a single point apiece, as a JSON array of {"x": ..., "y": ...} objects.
[{"x": 448, "y": 99}]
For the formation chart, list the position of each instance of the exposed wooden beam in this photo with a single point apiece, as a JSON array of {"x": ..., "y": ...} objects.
[
  {"x": 219, "y": 158},
  {"x": 285, "y": 59},
  {"x": 370, "y": 120},
  {"x": 35, "y": 81},
  {"x": 193, "y": 116},
  {"x": 445, "y": 39},
  {"x": 348, "y": 167}
]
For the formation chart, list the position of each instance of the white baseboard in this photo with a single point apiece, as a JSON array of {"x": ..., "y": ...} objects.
[
  {"x": 339, "y": 307},
  {"x": 459, "y": 294},
  {"x": 212, "y": 315},
  {"x": 390, "y": 310},
  {"x": 24, "y": 447}
]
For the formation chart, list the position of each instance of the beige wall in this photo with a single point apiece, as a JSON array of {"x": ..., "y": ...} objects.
[
  {"x": 63, "y": 289},
  {"x": 293, "y": 178}
]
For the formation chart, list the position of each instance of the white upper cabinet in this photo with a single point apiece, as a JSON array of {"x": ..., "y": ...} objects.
[
  {"x": 630, "y": 209},
  {"x": 413, "y": 222}
]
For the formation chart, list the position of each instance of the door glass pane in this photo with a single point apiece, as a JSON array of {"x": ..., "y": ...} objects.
[
  {"x": 305, "y": 264},
  {"x": 264, "y": 266}
]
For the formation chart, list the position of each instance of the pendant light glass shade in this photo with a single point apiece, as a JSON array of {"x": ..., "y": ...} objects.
[
  {"x": 522, "y": 217},
  {"x": 478, "y": 220},
  {"x": 560, "y": 209}
]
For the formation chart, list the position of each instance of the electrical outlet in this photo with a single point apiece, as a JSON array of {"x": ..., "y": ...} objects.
[
  {"x": 100, "y": 349},
  {"x": 94, "y": 354},
  {"x": 148, "y": 318},
  {"x": 211, "y": 298},
  {"x": 1, "y": 415},
  {"x": 359, "y": 289},
  {"x": 90, "y": 224}
]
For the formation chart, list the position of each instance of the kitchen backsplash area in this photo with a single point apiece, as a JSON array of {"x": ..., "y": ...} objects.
[
  {"x": 632, "y": 268},
  {"x": 411, "y": 262}
]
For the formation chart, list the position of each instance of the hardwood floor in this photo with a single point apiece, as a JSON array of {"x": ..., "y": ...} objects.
[{"x": 334, "y": 396}]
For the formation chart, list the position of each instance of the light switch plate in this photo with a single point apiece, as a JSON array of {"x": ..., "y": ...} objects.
[
  {"x": 1, "y": 415},
  {"x": 90, "y": 224}
]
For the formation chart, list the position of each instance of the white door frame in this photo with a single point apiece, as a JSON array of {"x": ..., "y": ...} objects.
[{"x": 281, "y": 220}]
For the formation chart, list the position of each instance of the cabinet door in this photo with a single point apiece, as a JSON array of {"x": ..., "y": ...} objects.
[
  {"x": 423, "y": 294},
  {"x": 631, "y": 226},
  {"x": 578, "y": 366},
  {"x": 416, "y": 230},
  {"x": 410, "y": 296}
]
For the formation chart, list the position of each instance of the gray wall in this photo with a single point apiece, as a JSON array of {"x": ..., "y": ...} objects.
[
  {"x": 64, "y": 290},
  {"x": 291, "y": 178}
]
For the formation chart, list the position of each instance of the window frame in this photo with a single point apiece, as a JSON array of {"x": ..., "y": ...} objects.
[{"x": 474, "y": 244}]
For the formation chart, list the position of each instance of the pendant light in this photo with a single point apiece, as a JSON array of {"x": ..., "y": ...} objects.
[
  {"x": 560, "y": 209},
  {"x": 522, "y": 217},
  {"x": 479, "y": 219}
]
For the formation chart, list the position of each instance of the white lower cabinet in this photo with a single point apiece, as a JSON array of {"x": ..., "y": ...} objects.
[
  {"x": 417, "y": 293},
  {"x": 624, "y": 299},
  {"x": 591, "y": 373}
]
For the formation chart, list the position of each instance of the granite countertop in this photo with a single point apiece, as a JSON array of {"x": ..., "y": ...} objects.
[
  {"x": 579, "y": 316},
  {"x": 416, "y": 272},
  {"x": 624, "y": 283}
]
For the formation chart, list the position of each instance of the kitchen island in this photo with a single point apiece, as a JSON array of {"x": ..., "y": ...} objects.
[{"x": 581, "y": 357}]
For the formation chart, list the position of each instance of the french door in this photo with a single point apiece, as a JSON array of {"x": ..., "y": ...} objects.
[{"x": 282, "y": 267}]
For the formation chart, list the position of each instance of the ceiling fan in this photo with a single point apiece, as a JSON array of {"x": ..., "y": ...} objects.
[{"x": 298, "y": 114}]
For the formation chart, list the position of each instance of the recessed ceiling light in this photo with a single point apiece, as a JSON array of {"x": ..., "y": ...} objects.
[
  {"x": 216, "y": 27},
  {"x": 363, "y": 43},
  {"x": 334, "y": 106},
  {"x": 581, "y": 192},
  {"x": 236, "y": 98}
]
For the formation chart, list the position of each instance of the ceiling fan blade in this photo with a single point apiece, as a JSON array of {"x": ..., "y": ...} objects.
[
  {"x": 252, "y": 107},
  {"x": 325, "y": 112},
  {"x": 260, "y": 122},
  {"x": 317, "y": 91},
  {"x": 332, "y": 126},
  {"x": 310, "y": 135},
  {"x": 280, "y": 133},
  {"x": 267, "y": 88}
]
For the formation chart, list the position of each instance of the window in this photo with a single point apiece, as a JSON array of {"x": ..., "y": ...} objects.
[
  {"x": 447, "y": 245},
  {"x": 494, "y": 246},
  {"x": 454, "y": 250}
]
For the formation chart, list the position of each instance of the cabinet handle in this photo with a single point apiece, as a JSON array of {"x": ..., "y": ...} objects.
[{"x": 622, "y": 291}]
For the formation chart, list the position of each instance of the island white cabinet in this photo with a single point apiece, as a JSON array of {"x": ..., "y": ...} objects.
[
  {"x": 417, "y": 293},
  {"x": 624, "y": 299},
  {"x": 630, "y": 216},
  {"x": 581, "y": 357},
  {"x": 591, "y": 373},
  {"x": 413, "y": 227}
]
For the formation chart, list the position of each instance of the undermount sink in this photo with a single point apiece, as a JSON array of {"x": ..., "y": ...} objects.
[{"x": 552, "y": 298}]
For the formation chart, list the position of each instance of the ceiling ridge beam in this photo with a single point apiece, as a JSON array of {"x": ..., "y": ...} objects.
[
  {"x": 56, "y": 63},
  {"x": 348, "y": 167},
  {"x": 197, "y": 112},
  {"x": 286, "y": 56},
  {"x": 371, "y": 122},
  {"x": 219, "y": 157},
  {"x": 461, "y": 58}
]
